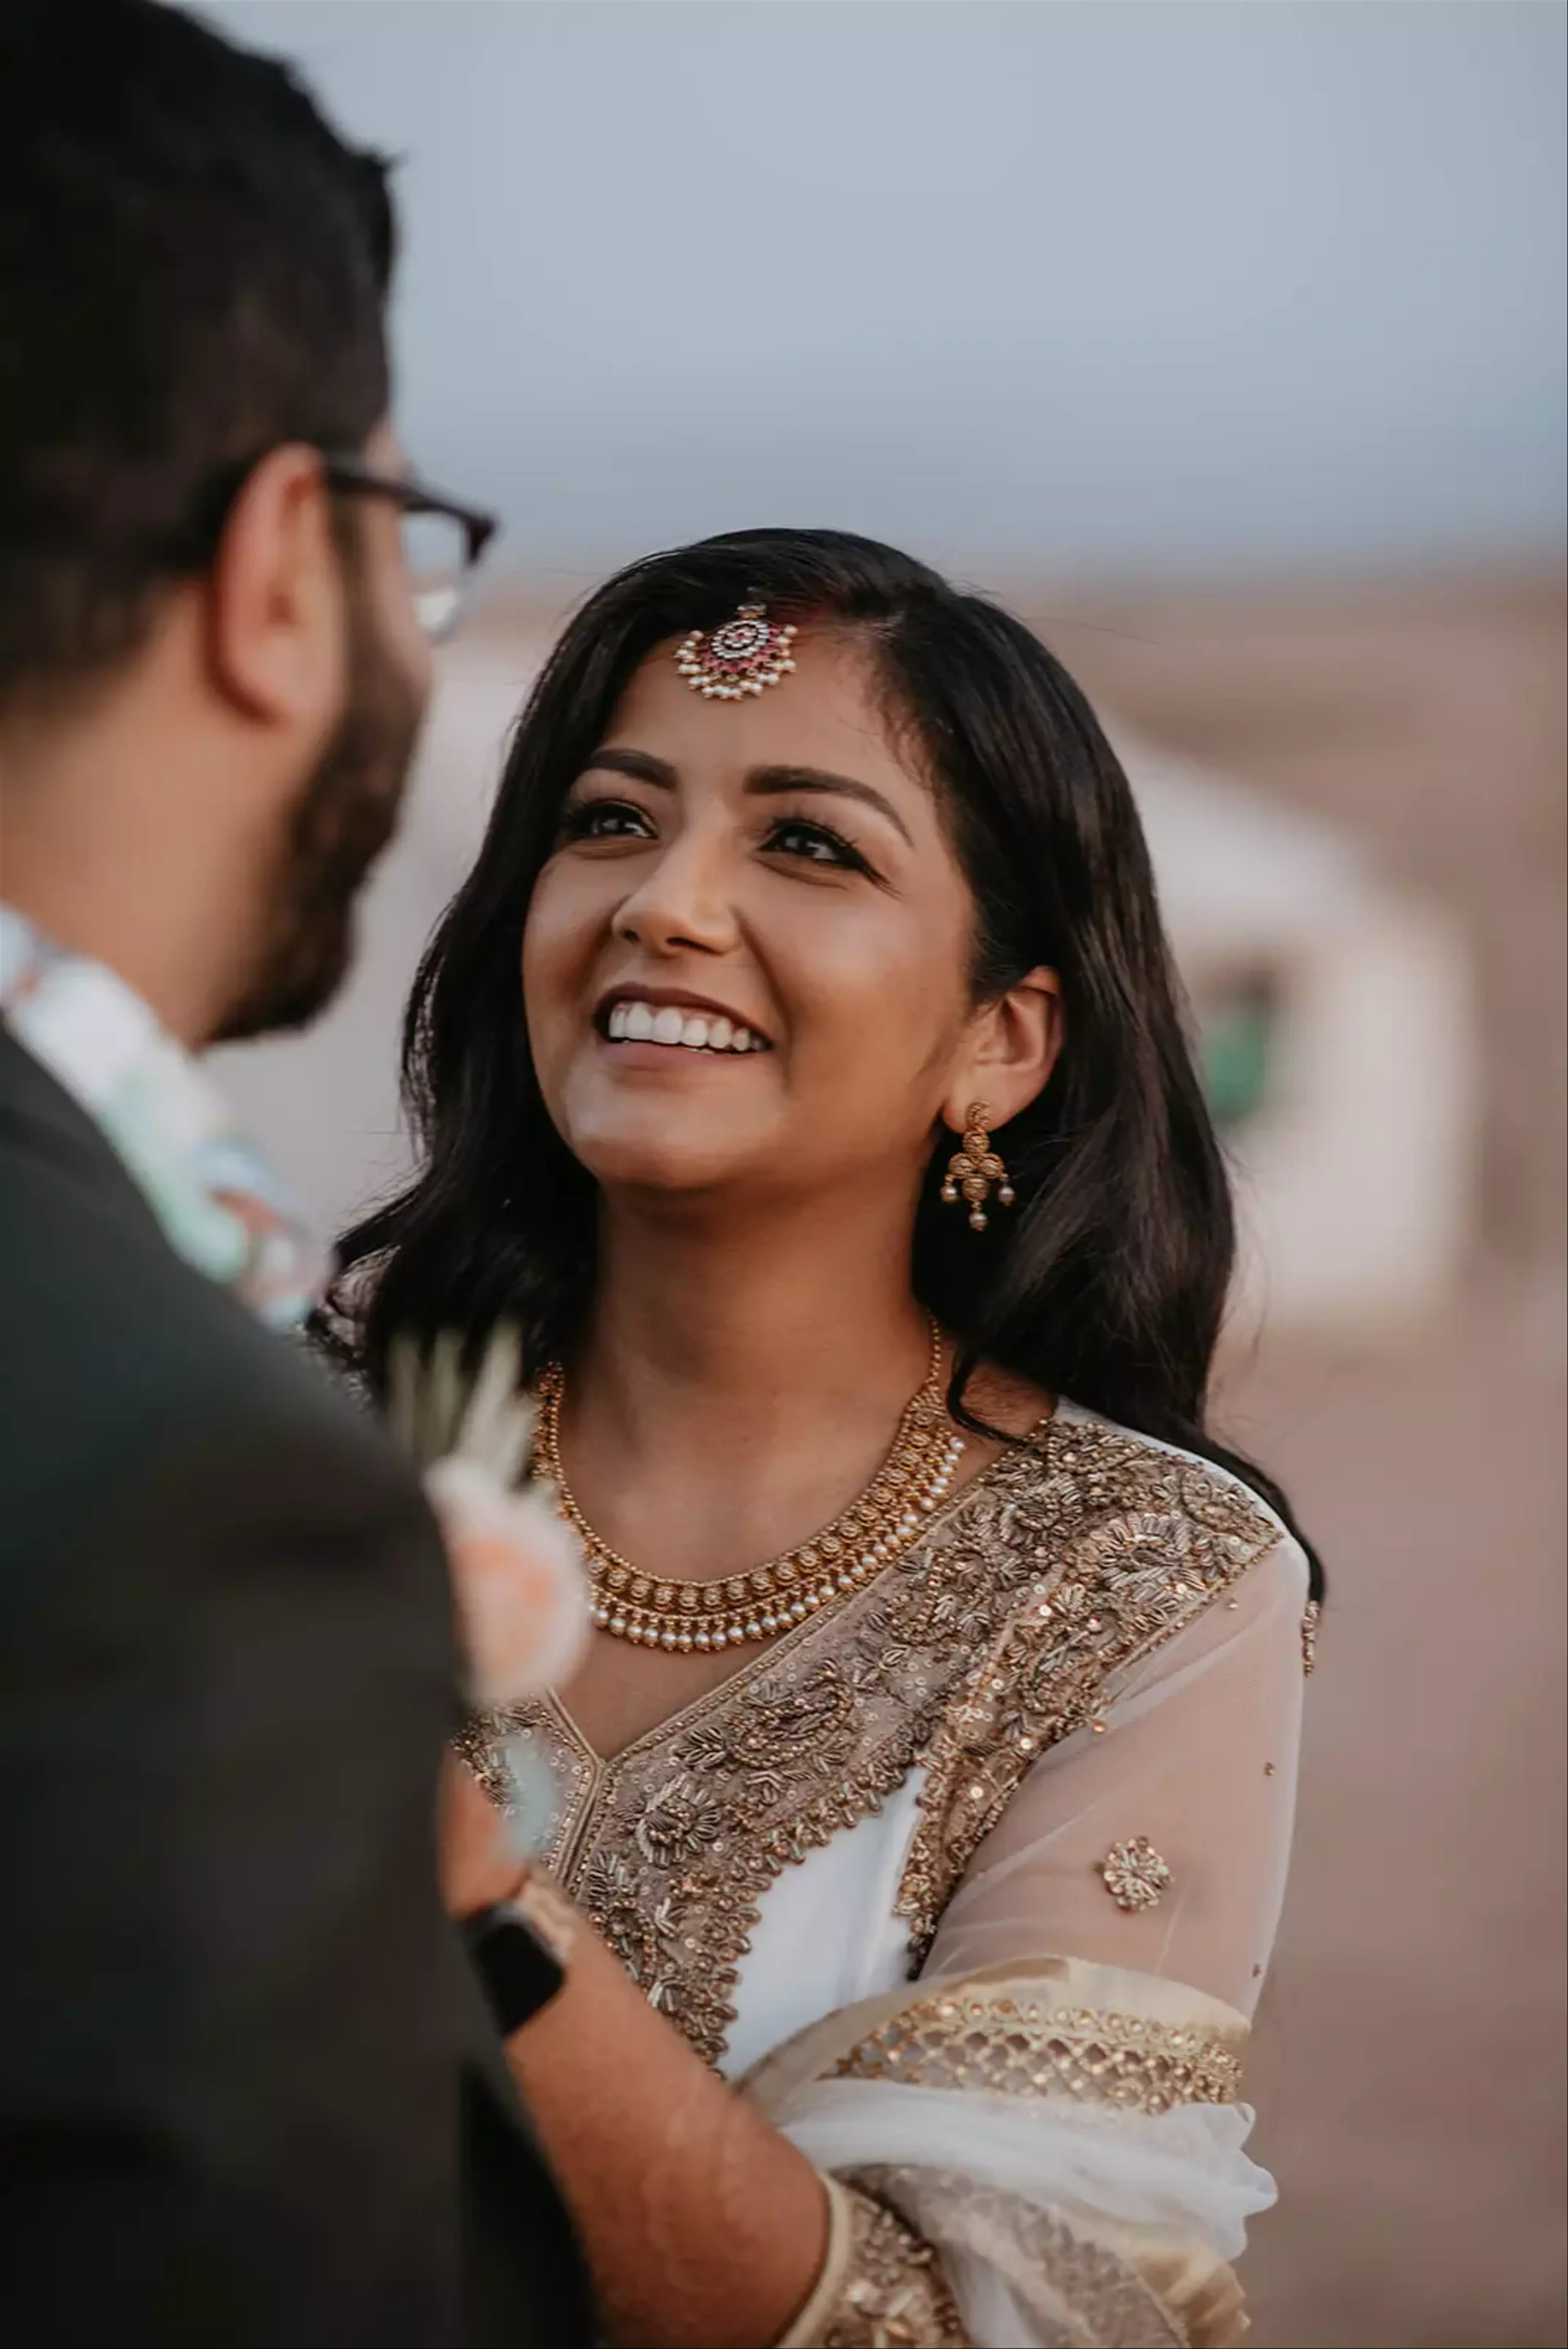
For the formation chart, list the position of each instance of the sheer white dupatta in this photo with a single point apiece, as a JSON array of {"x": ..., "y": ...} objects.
[{"x": 1046, "y": 2127}]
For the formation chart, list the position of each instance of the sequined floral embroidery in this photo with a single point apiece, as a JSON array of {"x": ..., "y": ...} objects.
[
  {"x": 1143, "y": 1541},
  {"x": 1311, "y": 1615},
  {"x": 893, "y": 2295},
  {"x": 1135, "y": 1875},
  {"x": 996, "y": 1636}
]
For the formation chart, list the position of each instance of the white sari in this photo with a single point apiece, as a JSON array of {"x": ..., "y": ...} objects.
[{"x": 972, "y": 1884}]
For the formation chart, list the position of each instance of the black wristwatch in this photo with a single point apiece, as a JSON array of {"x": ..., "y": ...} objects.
[{"x": 519, "y": 1972}]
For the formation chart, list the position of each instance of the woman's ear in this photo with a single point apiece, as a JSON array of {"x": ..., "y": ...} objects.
[{"x": 1010, "y": 1052}]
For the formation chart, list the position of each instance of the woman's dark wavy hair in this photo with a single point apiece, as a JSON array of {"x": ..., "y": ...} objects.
[{"x": 1108, "y": 1280}]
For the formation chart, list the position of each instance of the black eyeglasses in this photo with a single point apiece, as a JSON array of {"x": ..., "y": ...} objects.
[{"x": 443, "y": 540}]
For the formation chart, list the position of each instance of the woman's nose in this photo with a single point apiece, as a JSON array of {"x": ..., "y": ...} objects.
[{"x": 686, "y": 900}]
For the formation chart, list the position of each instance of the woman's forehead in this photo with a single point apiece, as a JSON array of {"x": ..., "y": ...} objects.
[{"x": 831, "y": 712}]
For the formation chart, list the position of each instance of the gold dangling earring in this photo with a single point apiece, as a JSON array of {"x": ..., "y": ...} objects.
[{"x": 972, "y": 1170}]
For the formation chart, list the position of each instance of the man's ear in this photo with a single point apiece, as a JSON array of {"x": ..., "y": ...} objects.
[
  {"x": 275, "y": 620},
  {"x": 1011, "y": 1049}
]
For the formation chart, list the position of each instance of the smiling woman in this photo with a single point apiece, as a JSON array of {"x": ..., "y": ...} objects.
[{"x": 969, "y": 1863}]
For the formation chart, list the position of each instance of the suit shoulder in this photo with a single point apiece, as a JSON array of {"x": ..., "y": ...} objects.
[{"x": 115, "y": 1355}]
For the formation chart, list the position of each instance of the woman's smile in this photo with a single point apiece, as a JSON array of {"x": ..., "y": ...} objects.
[{"x": 643, "y": 1027}]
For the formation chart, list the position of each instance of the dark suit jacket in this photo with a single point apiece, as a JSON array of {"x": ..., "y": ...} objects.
[{"x": 248, "y": 2092}]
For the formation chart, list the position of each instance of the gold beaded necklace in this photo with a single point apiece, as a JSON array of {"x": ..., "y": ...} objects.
[{"x": 654, "y": 1611}]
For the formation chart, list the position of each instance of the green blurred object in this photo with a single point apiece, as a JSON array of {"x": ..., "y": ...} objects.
[{"x": 1236, "y": 1049}]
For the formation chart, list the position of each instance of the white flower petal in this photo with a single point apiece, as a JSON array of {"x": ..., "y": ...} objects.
[
  {"x": 494, "y": 1386},
  {"x": 518, "y": 1579}
]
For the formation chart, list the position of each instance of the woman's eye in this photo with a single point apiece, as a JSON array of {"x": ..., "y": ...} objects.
[
  {"x": 605, "y": 820},
  {"x": 818, "y": 844}
]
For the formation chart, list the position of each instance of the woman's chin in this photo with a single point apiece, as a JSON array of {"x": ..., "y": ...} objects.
[
  {"x": 634, "y": 1134},
  {"x": 658, "y": 1153}
]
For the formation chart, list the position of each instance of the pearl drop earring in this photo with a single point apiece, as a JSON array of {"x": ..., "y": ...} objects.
[{"x": 972, "y": 1170}]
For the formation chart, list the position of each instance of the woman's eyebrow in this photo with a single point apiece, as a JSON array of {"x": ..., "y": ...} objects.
[
  {"x": 614, "y": 759},
  {"x": 772, "y": 782}
]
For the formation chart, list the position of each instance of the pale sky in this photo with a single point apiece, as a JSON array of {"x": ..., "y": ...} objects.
[{"x": 1087, "y": 287}]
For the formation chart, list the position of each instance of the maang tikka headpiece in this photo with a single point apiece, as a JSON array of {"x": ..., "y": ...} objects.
[{"x": 744, "y": 655}]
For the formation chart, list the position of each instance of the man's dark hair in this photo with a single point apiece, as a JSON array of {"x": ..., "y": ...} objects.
[{"x": 193, "y": 268}]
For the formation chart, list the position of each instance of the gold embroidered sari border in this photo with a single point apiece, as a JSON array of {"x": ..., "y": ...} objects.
[
  {"x": 1038, "y": 2026},
  {"x": 1002, "y": 2045},
  {"x": 881, "y": 2286}
]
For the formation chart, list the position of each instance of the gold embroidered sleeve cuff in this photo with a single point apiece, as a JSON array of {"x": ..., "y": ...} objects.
[
  {"x": 881, "y": 2286},
  {"x": 1056, "y": 2034}
]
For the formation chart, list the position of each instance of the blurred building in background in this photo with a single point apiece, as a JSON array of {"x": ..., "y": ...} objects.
[{"x": 1226, "y": 345}]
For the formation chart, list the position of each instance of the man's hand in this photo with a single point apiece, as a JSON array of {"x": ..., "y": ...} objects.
[{"x": 478, "y": 1867}]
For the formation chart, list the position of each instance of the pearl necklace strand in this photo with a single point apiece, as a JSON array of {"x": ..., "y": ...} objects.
[{"x": 884, "y": 1521}]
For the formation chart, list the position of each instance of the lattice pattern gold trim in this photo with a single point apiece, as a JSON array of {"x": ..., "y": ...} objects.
[{"x": 1011, "y": 2046}]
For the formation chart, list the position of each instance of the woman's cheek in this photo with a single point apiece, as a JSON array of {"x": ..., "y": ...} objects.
[
  {"x": 557, "y": 935},
  {"x": 881, "y": 981},
  {"x": 546, "y": 992}
]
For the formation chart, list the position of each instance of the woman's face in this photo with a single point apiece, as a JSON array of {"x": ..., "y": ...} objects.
[{"x": 745, "y": 965}]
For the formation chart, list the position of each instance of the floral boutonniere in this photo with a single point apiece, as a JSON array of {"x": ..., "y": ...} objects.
[{"x": 517, "y": 1572}]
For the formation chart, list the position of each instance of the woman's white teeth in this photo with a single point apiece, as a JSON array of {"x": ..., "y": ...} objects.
[{"x": 638, "y": 1023}]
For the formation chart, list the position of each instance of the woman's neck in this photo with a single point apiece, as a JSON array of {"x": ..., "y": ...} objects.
[
  {"x": 738, "y": 1381},
  {"x": 743, "y": 1319}
]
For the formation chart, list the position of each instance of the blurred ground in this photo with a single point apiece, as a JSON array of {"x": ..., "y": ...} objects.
[
  {"x": 1408, "y": 2064},
  {"x": 1409, "y": 2061}
]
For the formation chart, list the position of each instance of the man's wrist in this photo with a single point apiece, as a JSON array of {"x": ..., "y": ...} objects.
[
  {"x": 519, "y": 1948},
  {"x": 550, "y": 1913}
]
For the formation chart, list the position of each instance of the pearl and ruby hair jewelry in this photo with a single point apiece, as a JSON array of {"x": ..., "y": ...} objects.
[{"x": 743, "y": 656}]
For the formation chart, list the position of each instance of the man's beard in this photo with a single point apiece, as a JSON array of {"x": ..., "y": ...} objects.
[{"x": 347, "y": 813}]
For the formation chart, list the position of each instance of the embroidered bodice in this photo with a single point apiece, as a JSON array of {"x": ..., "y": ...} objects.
[{"x": 929, "y": 1698}]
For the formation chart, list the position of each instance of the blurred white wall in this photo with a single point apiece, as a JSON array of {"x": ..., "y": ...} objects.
[{"x": 1356, "y": 1173}]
